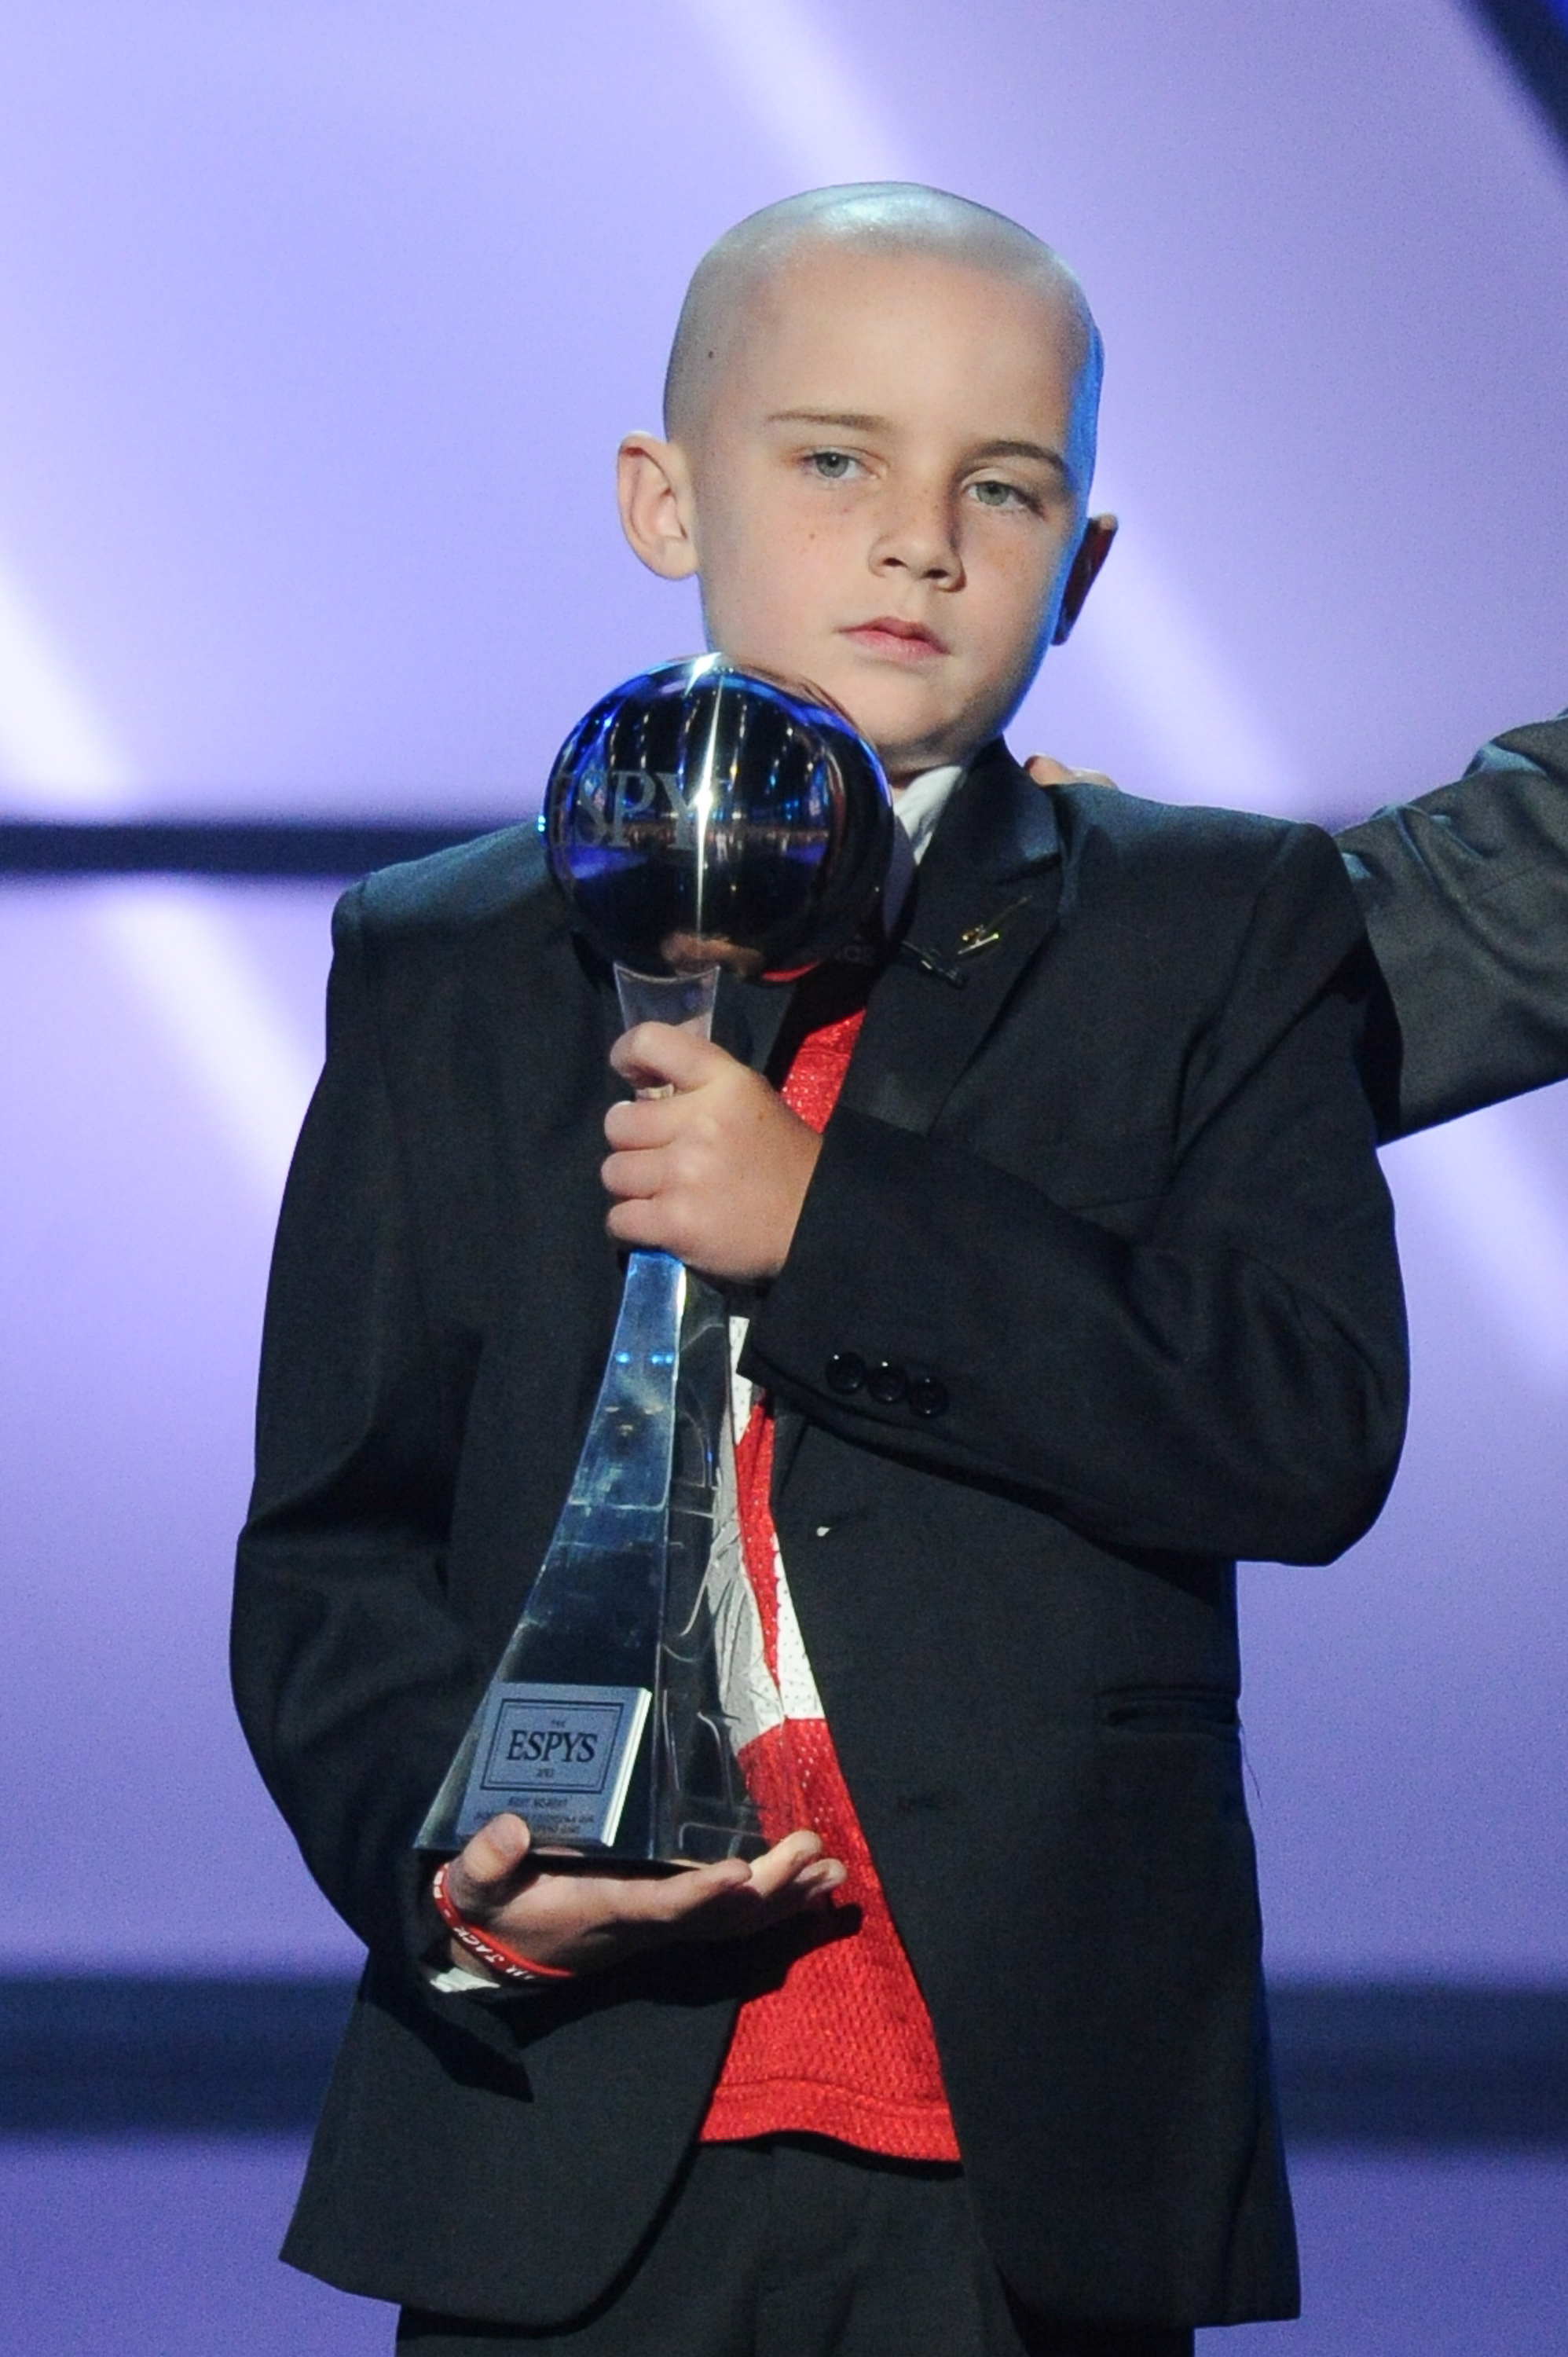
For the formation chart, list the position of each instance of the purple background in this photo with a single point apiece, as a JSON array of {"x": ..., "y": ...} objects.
[{"x": 319, "y": 321}]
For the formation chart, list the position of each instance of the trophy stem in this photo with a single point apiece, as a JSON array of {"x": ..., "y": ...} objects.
[
  {"x": 560, "y": 1731},
  {"x": 683, "y": 1000},
  {"x": 604, "y": 1726}
]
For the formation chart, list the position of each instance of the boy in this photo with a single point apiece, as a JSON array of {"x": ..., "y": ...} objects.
[{"x": 1077, "y": 1282}]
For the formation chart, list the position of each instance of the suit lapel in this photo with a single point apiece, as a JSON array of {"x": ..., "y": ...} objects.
[{"x": 986, "y": 896}]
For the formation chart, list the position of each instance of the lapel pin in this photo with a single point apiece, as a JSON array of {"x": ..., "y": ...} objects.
[{"x": 975, "y": 938}]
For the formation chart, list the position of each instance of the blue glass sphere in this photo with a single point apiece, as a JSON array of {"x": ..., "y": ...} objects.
[{"x": 705, "y": 814}]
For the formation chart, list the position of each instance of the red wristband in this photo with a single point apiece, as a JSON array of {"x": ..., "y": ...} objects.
[{"x": 502, "y": 1959}]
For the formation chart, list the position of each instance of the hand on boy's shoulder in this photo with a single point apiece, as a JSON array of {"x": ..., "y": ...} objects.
[
  {"x": 715, "y": 1167},
  {"x": 1046, "y": 772},
  {"x": 585, "y": 1922}
]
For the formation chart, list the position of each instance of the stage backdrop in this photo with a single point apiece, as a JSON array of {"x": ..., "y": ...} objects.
[{"x": 318, "y": 322}]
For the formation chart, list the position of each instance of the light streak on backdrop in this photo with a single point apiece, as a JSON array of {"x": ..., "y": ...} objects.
[
  {"x": 795, "y": 79},
  {"x": 790, "y": 71},
  {"x": 1501, "y": 1212},
  {"x": 1504, "y": 1216},
  {"x": 1214, "y": 746},
  {"x": 192, "y": 976},
  {"x": 52, "y": 746}
]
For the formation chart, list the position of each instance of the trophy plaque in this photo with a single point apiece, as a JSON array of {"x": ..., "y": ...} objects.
[{"x": 702, "y": 817}]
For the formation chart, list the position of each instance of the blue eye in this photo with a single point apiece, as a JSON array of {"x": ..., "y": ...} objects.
[{"x": 832, "y": 464}]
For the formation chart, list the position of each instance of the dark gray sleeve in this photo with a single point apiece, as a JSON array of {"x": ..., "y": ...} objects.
[{"x": 1465, "y": 898}]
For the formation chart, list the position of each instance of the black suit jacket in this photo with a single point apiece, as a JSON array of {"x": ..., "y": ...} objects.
[
  {"x": 1117, "y": 1192},
  {"x": 1465, "y": 898}
]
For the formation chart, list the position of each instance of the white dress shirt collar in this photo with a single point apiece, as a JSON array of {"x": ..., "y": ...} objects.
[{"x": 921, "y": 802}]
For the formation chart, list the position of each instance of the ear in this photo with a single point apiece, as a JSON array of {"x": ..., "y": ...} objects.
[
  {"x": 653, "y": 489},
  {"x": 1092, "y": 551}
]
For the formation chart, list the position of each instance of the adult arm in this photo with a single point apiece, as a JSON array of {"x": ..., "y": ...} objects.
[
  {"x": 1465, "y": 898},
  {"x": 1231, "y": 1381}
]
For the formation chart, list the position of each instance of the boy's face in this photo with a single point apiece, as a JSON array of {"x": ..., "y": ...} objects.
[{"x": 884, "y": 492}]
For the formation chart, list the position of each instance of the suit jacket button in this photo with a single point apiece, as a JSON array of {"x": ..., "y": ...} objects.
[
  {"x": 846, "y": 1372},
  {"x": 886, "y": 1381},
  {"x": 927, "y": 1396}
]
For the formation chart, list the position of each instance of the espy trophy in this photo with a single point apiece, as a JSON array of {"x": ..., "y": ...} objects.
[{"x": 700, "y": 817}]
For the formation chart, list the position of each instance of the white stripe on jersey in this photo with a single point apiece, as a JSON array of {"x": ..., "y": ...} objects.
[{"x": 753, "y": 1699}]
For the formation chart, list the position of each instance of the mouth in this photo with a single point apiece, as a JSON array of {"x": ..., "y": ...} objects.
[{"x": 895, "y": 641}]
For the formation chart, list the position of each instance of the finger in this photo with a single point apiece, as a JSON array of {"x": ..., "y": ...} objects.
[
  {"x": 490, "y": 1867},
  {"x": 567, "y": 1918},
  {"x": 813, "y": 1888},
  {"x": 654, "y": 1226},
  {"x": 641, "y": 1122},
  {"x": 675, "y": 1899},
  {"x": 740, "y": 1914},
  {"x": 642, "y": 1226},
  {"x": 654, "y": 1053},
  {"x": 586, "y": 1921},
  {"x": 788, "y": 1858},
  {"x": 1046, "y": 772},
  {"x": 635, "y": 1177},
  {"x": 793, "y": 1867},
  {"x": 599, "y": 1903}
]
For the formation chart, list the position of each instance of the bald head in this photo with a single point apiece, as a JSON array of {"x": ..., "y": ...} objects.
[
  {"x": 879, "y": 445},
  {"x": 872, "y": 218}
]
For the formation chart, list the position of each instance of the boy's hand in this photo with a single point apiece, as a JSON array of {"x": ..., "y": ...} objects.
[
  {"x": 586, "y": 1921},
  {"x": 715, "y": 1170}
]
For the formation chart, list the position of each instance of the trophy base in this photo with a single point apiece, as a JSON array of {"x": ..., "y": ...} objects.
[
  {"x": 560, "y": 1756},
  {"x": 567, "y": 1758},
  {"x": 608, "y": 1725}
]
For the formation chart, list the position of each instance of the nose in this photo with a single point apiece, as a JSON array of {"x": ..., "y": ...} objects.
[{"x": 918, "y": 538}]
